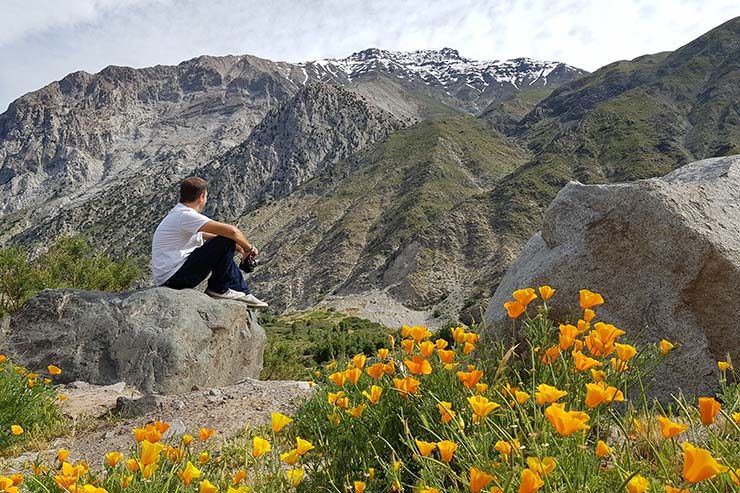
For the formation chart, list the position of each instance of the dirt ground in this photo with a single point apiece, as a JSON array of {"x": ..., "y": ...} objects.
[{"x": 96, "y": 429}]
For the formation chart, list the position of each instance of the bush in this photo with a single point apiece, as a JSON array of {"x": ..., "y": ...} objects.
[
  {"x": 27, "y": 400},
  {"x": 69, "y": 263}
]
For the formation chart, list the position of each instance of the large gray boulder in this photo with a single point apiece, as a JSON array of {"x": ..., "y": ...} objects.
[
  {"x": 158, "y": 340},
  {"x": 664, "y": 253}
]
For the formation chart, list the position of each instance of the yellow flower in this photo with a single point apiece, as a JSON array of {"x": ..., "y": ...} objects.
[
  {"x": 481, "y": 406},
  {"x": 736, "y": 417},
  {"x": 3, "y": 359},
  {"x": 670, "y": 429},
  {"x": 338, "y": 378},
  {"x": 469, "y": 379},
  {"x": 672, "y": 489},
  {"x": 427, "y": 348},
  {"x": 206, "y": 433},
  {"x": 358, "y": 360},
  {"x": 295, "y": 476},
  {"x": 187, "y": 439},
  {"x": 303, "y": 446},
  {"x": 290, "y": 457},
  {"x": 359, "y": 486},
  {"x": 468, "y": 348},
  {"x": 507, "y": 448},
  {"x": 601, "y": 393},
  {"x": 132, "y": 465},
  {"x": 407, "y": 345},
  {"x": 16, "y": 430},
  {"x": 383, "y": 353},
  {"x": 430, "y": 490},
  {"x": 280, "y": 421},
  {"x": 445, "y": 411},
  {"x": 524, "y": 296},
  {"x": 112, "y": 458},
  {"x": 418, "y": 365},
  {"x": 458, "y": 333},
  {"x": 625, "y": 352},
  {"x": 357, "y": 411},
  {"x": 566, "y": 422},
  {"x": 546, "y": 292},
  {"x": 520, "y": 396},
  {"x": 353, "y": 375},
  {"x": 446, "y": 356},
  {"x": 567, "y": 336},
  {"x": 374, "y": 395},
  {"x": 239, "y": 476},
  {"x": 203, "y": 458},
  {"x": 600, "y": 341},
  {"x": 425, "y": 448},
  {"x": 665, "y": 346},
  {"x": 189, "y": 473},
  {"x": 260, "y": 447},
  {"x": 150, "y": 452},
  {"x": 698, "y": 464},
  {"x": 598, "y": 375},
  {"x": 602, "y": 449},
  {"x": 54, "y": 370},
  {"x": 206, "y": 487},
  {"x": 724, "y": 366},
  {"x": 441, "y": 344},
  {"x": 530, "y": 481},
  {"x": 62, "y": 455},
  {"x": 376, "y": 370},
  {"x": 419, "y": 333},
  {"x": 583, "y": 362},
  {"x": 406, "y": 386},
  {"x": 638, "y": 484},
  {"x": 547, "y": 394},
  {"x": 542, "y": 467},
  {"x": 514, "y": 309},
  {"x": 479, "y": 480},
  {"x": 589, "y": 299},
  {"x": 588, "y": 315},
  {"x": 708, "y": 409},
  {"x": 446, "y": 450}
]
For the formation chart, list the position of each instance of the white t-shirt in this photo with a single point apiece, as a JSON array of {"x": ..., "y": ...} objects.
[{"x": 175, "y": 238}]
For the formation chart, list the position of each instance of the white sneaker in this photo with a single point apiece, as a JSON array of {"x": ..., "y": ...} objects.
[
  {"x": 230, "y": 294},
  {"x": 253, "y": 301}
]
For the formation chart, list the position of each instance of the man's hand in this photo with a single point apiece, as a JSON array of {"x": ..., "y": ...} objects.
[{"x": 240, "y": 250}]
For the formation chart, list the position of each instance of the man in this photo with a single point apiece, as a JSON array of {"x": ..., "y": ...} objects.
[{"x": 187, "y": 246}]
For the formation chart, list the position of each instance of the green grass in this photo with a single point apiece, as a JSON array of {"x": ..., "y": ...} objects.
[{"x": 33, "y": 406}]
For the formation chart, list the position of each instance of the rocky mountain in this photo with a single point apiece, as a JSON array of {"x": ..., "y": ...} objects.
[
  {"x": 408, "y": 179},
  {"x": 445, "y": 75}
]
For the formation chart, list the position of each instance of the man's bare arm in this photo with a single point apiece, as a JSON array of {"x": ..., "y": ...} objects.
[{"x": 229, "y": 231}]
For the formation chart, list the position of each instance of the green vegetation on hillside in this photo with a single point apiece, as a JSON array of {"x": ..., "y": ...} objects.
[
  {"x": 299, "y": 342},
  {"x": 69, "y": 263}
]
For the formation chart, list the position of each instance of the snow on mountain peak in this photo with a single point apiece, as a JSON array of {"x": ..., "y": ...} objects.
[{"x": 440, "y": 67}]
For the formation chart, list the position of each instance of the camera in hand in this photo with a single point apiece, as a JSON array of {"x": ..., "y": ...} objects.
[{"x": 248, "y": 264}]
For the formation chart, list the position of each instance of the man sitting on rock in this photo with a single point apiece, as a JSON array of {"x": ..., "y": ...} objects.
[{"x": 187, "y": 246}]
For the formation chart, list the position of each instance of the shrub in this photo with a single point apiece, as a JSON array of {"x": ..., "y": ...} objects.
[
  {"x": 69, "y": 263},
  {"x": 27, "y": 406}
]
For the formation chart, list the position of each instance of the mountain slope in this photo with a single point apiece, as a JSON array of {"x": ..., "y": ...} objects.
[
  {"x": 355, "y": 229},
  {"x": 445, "y": 75},
  {"x": 292, "y": 144}
]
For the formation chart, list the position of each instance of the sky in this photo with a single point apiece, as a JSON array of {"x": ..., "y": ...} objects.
[{"x": 43, "y": 40}]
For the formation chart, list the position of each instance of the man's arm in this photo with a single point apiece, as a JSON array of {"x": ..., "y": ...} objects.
[{"x": 229, "y": 231}]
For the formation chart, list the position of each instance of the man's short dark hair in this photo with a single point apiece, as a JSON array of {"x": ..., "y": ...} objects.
[{"x": 192, "y": 188}]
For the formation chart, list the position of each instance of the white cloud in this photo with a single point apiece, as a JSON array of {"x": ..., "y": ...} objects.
[{"x": 43, "y": 40}]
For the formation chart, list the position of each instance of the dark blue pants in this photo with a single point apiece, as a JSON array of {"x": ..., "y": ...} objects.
[{"x": 215, "y": 257}]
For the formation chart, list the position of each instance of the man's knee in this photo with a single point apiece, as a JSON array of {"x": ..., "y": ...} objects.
[{"x": 223, "y": 242}]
